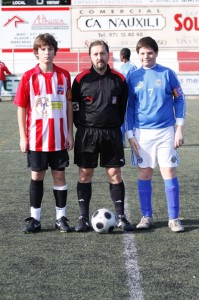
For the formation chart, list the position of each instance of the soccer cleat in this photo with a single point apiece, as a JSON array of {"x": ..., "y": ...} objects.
[
  {"x": 32, "y": 226},
  {"x": 62, "y": 225},
  {"x": 145, "y": 223},
  {"x": 175, "y": 225},
  {"x": 83, "y": 225},
  {"x": 124, "y": 224}
]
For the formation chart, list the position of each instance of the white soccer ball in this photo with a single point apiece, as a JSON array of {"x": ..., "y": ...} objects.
[{"x": 103, "y": 220}]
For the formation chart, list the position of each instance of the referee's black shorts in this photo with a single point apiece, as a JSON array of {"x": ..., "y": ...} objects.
[{"x": 92, "y": 143}]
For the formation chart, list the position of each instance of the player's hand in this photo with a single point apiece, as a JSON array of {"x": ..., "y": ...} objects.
[
  {"x": 23, "y": 145},
  {"x": 69, "y": 143},
  {"x": 134, "y": 145},
  {"x": 179, "y": 141}
]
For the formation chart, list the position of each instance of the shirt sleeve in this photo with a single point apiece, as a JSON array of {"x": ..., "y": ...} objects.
[
  {"x": 124, "y": 101},
  {"x": 75, "y": 101},
  {"x": 68, "y": 79},
  {"x": 179, "y": 100},
  {"x": 22, "y": 97},
  {"x": 130, "y": 110}
]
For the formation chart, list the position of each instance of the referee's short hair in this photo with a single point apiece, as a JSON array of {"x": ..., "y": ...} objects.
[{"x": 98, "y": 43}]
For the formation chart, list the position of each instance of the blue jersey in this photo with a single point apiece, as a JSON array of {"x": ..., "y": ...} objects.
[
  {"x": 127, "y": 68},
  {"x": 155, "y": 99}
]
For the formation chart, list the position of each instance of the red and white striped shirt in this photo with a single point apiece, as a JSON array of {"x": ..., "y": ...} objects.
[{"x": 45, "y": 97}]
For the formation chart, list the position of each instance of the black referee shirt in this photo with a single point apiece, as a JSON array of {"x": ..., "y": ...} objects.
[{"x": 99, "y": 100}]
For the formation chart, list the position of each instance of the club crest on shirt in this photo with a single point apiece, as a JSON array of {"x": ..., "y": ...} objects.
[
  {"x": 114, "y": 100},
  {"x": 158, "y": 82},
  {"x": 140, "y": 84},
  {"x": 60, "y": 89},
  {"x": 42, "y": 106}
]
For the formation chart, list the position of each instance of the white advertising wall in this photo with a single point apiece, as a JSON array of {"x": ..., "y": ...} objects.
[
  {"x": 21, "y": 25},
  {"x": 174, "y": 24},
  {"x": 121, "y": 23},
  {"x": 174, "y": 27}
]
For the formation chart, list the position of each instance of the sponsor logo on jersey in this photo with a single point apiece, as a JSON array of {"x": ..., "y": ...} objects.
[
  {"x": 89, "y": 98},
  {"x": 60, "y": 89},
  {"x": 43, "y": 106},
  {"x": 57, "y": 105}
]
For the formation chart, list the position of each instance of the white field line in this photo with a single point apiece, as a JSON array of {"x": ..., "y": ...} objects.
[{"x": 134, "y": 277}]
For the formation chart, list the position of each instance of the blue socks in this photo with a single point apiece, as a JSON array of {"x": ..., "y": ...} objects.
[
  {"x": 172, "y": 195},
  {"x": 145, "y": 195}
]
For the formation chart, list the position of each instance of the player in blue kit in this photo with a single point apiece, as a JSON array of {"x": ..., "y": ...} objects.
[
  {"x": 155, "y": 119},
  {"x": 126, "y": 68}
]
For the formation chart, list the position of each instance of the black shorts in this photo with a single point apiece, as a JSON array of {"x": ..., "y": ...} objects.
[
  {"x": 90, "y": 143},
  {"x": 39, "y": 161}
]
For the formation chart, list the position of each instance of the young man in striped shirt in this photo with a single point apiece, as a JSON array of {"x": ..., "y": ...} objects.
[{"x": 45, "y": 121}]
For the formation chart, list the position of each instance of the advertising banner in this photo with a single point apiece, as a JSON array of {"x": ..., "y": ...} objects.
[
  {"x": 21, "y": 25},
  {"x": 174, "y": 28}
]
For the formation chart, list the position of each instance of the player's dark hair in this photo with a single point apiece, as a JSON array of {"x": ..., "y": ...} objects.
[
  {"x": 44, "y": 39},
  {"x": 125, "y": 53},
  {"x": 147, "y": 42},
  {"x": 98, "y": 43}
]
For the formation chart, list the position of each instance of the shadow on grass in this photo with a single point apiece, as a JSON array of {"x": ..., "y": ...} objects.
[
  {"x": 122, "y": 232},
  {"x": 189, "y": 224},
  {"x": 39, "y": 231}
]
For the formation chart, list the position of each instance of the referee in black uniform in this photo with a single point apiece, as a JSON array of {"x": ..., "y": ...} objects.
[{"x": 99, "y": 104}]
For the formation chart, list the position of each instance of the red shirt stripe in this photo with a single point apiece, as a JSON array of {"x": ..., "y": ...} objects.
[
  {"x": 51, "y": 138},
  {"x": 39, "y": 130}
]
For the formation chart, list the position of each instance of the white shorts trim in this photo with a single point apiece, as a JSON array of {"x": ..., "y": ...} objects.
[{"x": 156, "y": 146}]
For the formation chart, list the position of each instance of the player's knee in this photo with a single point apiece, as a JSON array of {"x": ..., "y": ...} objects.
[
  {"x": 85, "y": 175},
  {"x": 114, "y": 175}
]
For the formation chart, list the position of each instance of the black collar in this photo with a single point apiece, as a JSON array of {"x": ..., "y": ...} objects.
[{"x": 97, "y": 75}]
